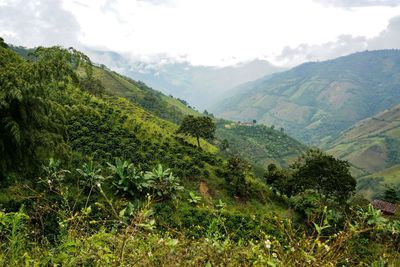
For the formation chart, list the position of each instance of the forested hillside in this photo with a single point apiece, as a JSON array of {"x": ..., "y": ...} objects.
[
  {"x": 260, "y": 144},
  {"x": 101, "y": 170}
]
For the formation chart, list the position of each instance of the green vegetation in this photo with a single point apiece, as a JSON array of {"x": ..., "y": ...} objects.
[
  {"x": 317, "y": 171},
  {"x": 258, "y": 144},
  {"x": 198, "y": 127},
  {"x": 95, "y": 174}
]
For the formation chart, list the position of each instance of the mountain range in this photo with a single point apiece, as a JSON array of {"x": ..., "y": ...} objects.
[{"x": 316, "y": 101}]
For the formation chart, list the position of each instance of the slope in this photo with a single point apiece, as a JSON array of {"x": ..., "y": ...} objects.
[
  {"x": 373, "y": 146},
  {"x": 315, "y": 102},
  {"x": 97, "y": 129},
  {"x": 258, "y": 144}
]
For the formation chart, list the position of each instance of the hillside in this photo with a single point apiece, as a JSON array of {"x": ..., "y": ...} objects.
[
  {"x": 373, "y": 146},
  {"x": 161, "y": 105},
  {"x": 258, "y": 144},
  {"x": 316, "y": 101}
]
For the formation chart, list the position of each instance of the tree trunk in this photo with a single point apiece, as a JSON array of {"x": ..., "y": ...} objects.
[{"x": 198, "y": 141}]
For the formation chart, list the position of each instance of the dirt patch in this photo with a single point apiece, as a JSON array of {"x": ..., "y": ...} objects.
[{"x": 204, "y": 190}]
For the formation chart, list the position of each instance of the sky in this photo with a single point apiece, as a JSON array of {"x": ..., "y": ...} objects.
[{"x": 206, "y": 32}]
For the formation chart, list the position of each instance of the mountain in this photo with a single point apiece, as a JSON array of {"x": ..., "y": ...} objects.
[
  {"x": 201, "y": 86},
  {"x": 316, "y": 101}
]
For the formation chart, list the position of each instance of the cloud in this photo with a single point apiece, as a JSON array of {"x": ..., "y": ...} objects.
[
  {"x": 344, "y": 45},
  {"x": 359, "y": 3},
  {"x": 158, "y": 2},
  {"x": 34, "y": 23},
  {"x": 205, "y": 32},
  {"x": 389, "y": 38}
]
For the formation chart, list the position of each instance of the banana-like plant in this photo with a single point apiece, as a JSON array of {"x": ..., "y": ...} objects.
[
  {"x": 165, "y": 184},
  {"x": 133, "y": 183},
  {"x": 128, "y": 180}
]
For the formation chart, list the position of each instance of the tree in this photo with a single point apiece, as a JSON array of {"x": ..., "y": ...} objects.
[
  {"x": 224, "y": 145},
  {"x": 198, "y": 127},
  {"x": 31, "y": 124},
  {"x": 2, "y": 43},
  {"x": 325, "y": 174},
  {"x": 254, "y": 121},
  {"x": 279, "y": 179},
  {"x": 391, "y": 195},
  {"x": 236, "y": 171}
]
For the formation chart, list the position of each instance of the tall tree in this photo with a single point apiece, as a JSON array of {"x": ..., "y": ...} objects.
[
  {"x": 29, "y": 120},
  {"x": 198, "y": 127}
]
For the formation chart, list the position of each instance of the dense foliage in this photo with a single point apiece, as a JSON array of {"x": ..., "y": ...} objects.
[
  {"x": 259, "y": 144},
  {"x": 198, "y": 127}
]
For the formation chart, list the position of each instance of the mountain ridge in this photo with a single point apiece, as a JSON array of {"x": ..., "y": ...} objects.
[{"x": 316, "y": 101}]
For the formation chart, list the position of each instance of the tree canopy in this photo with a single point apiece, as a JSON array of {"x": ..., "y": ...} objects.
[
  {"x": 31, "y": 123},
  {"x": 314, "y": 170},
  {"x": 198, "y": 127},
  {"x": 324, "y": 173}
]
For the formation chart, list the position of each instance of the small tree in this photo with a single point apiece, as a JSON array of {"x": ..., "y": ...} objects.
[
  {"x": 236, "y": 171},
  {"x": 279, "y": 179},
  {"x": 391, "y": 195},
  {"x": 224, "y": 145},
  {"x": 198, "y": 127},
  {"x": 2, "y": 43}
]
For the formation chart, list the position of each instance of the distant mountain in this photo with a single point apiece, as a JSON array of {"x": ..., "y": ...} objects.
[
  {"x": 201, "y": 86},
  {"x": 317, "y": 101}
]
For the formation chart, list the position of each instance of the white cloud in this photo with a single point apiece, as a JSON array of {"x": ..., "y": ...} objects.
[
  {"x": 206, "y": 32},
  {"x": 359, "y": 3},
  {"x": 221, "y": 32},
  {"x": 34, "y": 23}
]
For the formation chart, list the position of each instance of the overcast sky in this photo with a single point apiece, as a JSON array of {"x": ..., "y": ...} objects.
[{"x": 207, "y": 32}]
